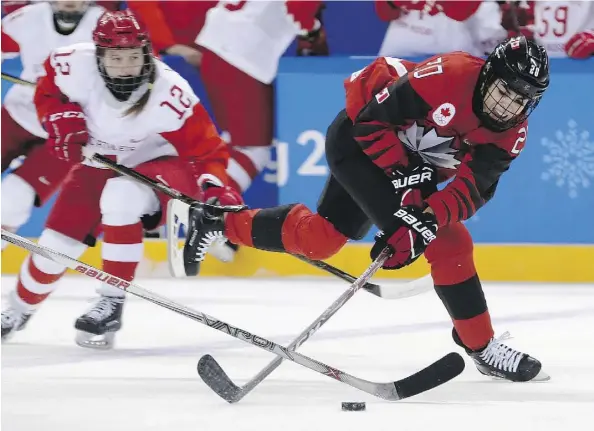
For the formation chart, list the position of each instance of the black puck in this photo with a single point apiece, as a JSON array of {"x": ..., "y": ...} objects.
[{"x": 353, "y": 407}]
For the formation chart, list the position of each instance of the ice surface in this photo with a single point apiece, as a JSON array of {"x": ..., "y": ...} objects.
[{"x": 149, "y": 382}]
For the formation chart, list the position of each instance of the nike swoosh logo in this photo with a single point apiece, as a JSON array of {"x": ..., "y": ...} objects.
[{"x": 44, "y": 180}]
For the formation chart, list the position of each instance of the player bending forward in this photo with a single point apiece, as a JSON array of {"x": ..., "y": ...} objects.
[
  {"x": 407, "y": 127},
  {"x": 118, "y": 100}
]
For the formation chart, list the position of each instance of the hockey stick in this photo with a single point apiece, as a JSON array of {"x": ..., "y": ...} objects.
[
  {"x": 163, "y": 188},
  {"x": 16, "y": 80},
  {"x": 217, "y": 379},
  {"x": 434, "y": 375},
  {"x": 421, "y": 286}
]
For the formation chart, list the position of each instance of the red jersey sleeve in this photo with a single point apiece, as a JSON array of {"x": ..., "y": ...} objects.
[
  {"x": 477, "y": 176},
  {"x": 199, "y": 140},
  {"x": 151, "y": 14}
]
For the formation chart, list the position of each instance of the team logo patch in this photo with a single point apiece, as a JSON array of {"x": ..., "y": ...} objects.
[
  {"x": 382, "y": 95},
  {"x": 444, "y": 114}
]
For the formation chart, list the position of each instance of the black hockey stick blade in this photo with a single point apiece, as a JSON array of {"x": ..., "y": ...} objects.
[
  {"x": 218, "y": 380},
  {"x": 436, "y": 374}
]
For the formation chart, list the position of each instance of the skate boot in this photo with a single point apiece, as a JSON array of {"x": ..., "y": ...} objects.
[
  {"x": 97, "y": 327},
  {"x": 502, "y": 362},
  {"x": 205, "y": 227},
  {"x": 15, "y": 317}
]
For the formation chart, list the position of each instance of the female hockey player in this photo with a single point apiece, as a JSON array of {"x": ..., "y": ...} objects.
[
  {"x": 405, "y": 128},
  {"x": 117, "y": 99},
  {"x": 34, "y": 31}
]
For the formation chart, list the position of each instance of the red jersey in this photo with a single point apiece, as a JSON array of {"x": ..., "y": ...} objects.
[{"x": 403, "y": 111}]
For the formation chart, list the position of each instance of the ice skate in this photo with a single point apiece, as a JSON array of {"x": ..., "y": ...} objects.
[
  {"x": 500, "y": 361},
  {"x": 14, "y": 318},
  {"x": 97, "y": 327}
]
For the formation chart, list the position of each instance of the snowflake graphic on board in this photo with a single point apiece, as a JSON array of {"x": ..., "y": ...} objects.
[{"x": 570, "y": 159}]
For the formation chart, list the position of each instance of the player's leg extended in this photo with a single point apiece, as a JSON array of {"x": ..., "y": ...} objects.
[
  {"x": 31, "y": 184},
  {"x": 293, "y": 228}
]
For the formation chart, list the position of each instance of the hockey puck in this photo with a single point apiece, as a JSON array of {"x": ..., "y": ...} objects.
[{"x": 353, "y": 407}]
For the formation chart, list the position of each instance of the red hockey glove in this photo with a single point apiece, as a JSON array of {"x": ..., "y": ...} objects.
[
  {"x": 67, "y": 130},
  {"x": 217, "y": 195},
  {"x": 580, "y": 45}
]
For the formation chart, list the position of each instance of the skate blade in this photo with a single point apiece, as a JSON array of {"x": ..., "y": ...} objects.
[
  {"x": 93, "y": 341},
  {"x": 222, "y": 251},
  {"x": 541, "y": 377}
]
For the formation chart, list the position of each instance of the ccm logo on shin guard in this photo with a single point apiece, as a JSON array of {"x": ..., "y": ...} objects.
[
  {"x": 417, "y": 225},
  {"x": 102, "y": 276},
  {"x": 407, "y": 181}
]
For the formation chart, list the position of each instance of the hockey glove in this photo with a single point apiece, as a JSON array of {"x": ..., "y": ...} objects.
[
  {"x": 580, "y": 45},
  {"x": 217, "y": 195},
  {"x": 67, "y": 130},
  {"x": 408, "y": 237}
]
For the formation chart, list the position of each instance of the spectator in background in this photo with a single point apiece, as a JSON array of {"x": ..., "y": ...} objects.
[
  {"x": 174, "y": 25},
  {"x": 432, "y": 27},
  {"x": 565, "y": 28},
  {"x": 240, "y": 43}
]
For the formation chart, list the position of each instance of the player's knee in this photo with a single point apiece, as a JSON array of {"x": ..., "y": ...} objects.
[
  {"x": 451, "y": 255},
  {"x": 322, "y": 241},
  {"x": 18, "y": 199},
  {"x": 295, "y": 229},
  {"x": 61, "y": 243},
  {"x": 124, "y": 201}
]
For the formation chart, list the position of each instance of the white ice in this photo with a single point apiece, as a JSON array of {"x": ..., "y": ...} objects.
[{"x": 149, "y": 381}]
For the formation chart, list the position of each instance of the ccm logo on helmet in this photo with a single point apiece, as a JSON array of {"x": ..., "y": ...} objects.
[
  {"x": 412, "y": 221},
  {"x": 67, "y": 114}
]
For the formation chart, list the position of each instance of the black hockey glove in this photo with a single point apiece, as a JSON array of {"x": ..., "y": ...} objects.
[{"x": 408, "y": 237}]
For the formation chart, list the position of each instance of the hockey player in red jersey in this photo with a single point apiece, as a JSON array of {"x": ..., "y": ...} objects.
[
  {"x": 114, "y": 98},
  {"x": 407, "y": 127}
]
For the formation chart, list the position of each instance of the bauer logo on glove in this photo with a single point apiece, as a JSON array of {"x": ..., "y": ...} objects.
[
  {"x": 419, "y": 175},
  {"x": 416, "y": 224}
]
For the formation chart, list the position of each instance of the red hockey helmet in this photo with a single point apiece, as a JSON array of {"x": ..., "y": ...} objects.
[
  {"x": 123, "y": 72},
  {"x": 120, "y": 30}
]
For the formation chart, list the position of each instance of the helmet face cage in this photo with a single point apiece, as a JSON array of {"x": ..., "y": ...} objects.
[
  {"x": 500, "y": 111},
  {"x": 122, "y": 31},
  {"x": 519, "y": 69},
  {"x": 123, "y": 86}
]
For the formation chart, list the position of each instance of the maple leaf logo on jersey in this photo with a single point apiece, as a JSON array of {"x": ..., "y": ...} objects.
[{"x": 433, "y": 149}]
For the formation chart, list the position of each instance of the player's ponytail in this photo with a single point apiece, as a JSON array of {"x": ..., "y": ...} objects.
[{"x": 141, "y": 103}]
